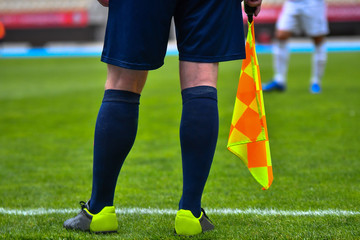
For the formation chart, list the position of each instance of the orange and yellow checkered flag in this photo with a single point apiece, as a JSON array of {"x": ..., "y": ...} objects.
[{"x": 248, "y": 137}]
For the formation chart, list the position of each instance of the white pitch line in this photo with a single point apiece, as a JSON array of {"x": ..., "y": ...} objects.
[{"x": 221, "y": 211}]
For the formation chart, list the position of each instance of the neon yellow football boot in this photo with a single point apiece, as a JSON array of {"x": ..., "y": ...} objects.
[
  {"x": 187, "y": 224},
  {"x": 103, "y": 222}
]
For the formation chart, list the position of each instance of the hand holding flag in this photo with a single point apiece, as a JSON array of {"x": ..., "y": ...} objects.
[
  {"x": 248, "y": 137},
  {"x": 252, "y": 7}
]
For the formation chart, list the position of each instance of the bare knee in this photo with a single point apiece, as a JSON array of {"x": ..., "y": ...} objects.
[
  {"x": 194, "y": 74},
  {"x": 125, "y": 79}
]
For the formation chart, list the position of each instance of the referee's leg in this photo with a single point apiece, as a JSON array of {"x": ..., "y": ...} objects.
[
  {"x": 115, "y": 131},
  {"x": 198, "y": 129}
]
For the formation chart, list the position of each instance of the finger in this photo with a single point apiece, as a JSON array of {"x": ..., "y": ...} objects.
[
  {"x": 105, "y": 3},
  {"x": 257, "y": 11},
  {"x": 253, "y": 3}
]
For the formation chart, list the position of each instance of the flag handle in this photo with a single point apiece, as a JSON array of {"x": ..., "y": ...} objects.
[{"x": 250, "y": 12}]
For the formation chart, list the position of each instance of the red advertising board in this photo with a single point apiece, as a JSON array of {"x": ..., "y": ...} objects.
[
  {"x": 17, "y": 20},
  {"x": 335, "y": 13},
  {"x": 44, "y": 19}
]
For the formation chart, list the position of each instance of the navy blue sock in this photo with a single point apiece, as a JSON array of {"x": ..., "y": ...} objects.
[
  {"x": 115, "y": 132},
  {"x": 198, "y": 136}
]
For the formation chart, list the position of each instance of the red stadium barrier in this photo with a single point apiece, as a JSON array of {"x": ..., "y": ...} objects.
[
  {"x": 344, "y": 13},
  {"x": 269, "y": 14},
  {"x": 335, "y": 13},
  {"x": 45, "y": 19}
]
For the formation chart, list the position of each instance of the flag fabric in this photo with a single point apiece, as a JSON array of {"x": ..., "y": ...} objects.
[{"x": 248, "y": 137}]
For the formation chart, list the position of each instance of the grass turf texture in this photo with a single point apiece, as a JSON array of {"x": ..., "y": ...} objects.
[{"x": 47, "y": 117}]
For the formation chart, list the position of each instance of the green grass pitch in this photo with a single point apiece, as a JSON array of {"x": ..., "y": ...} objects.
[{"x": 48, "y": 109}]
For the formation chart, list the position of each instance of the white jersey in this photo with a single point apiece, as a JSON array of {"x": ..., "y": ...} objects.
[{"x": 308, "y": 16}]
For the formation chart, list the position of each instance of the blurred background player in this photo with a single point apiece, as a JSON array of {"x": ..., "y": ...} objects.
[
  {"x": 136, "y": 38},
  {"x": 308, "y": 16}
]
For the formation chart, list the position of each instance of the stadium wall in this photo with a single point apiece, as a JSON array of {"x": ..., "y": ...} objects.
[{"x": 41, "y": 21}]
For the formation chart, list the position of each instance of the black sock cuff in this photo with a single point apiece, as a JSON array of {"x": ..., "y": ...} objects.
[
  {"x": 199, "y": 92},
  {"x": 113, "y": 95}
]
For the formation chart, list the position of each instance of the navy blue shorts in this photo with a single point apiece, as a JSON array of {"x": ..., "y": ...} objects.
[{"x": 207, "y": 31}]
